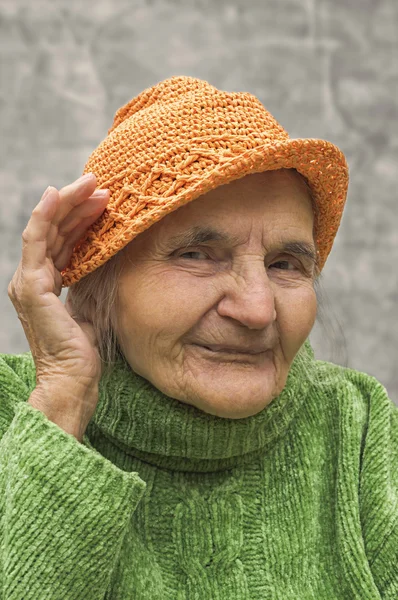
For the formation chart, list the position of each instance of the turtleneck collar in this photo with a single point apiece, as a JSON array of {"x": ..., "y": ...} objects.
[{"x": 144, "y": 422}]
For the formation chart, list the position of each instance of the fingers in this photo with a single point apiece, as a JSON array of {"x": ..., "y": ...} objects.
[
  {"x": 34, "y": 236},
  {"x": 73, "y": 194},
  {"x": 59, "y": 220},
  {"x": 70, "y": 196},
  {"x": 79, "y": 207},
  {"x": 86, "y": 209},
  {"x": 92, "y": 207},
  {"x": 62, "y": 259}
]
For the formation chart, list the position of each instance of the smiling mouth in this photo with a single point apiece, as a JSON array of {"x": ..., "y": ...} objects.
[{"x": 231, "y": 352}]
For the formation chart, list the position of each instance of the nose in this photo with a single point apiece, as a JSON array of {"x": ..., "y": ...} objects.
[{"x": 250, "y": 298}]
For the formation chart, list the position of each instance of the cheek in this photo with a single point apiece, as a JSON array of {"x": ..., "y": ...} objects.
[
  {"x": 159, "y": 303},
  {"x": 296, "y": 313}
]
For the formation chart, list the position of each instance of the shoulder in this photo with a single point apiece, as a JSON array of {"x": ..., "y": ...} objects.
[
  {"x": 357, "y": 406},
  {"x": 335, "y": 380},
  {"x": 17, "y": 380},
  {"x": 354, "y": 387},
  {"x": 368, "y": 434}
]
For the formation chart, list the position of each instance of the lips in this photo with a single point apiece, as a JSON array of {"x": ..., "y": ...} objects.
[{"x": 234, "y": 350}]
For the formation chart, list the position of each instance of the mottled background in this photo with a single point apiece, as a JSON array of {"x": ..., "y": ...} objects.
[{"x": 324, "y": 68}]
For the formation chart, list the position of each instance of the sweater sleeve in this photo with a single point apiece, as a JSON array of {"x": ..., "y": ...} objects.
[
  {"x": 379, "y": 491},
  {"x": 64, "y": 508}
]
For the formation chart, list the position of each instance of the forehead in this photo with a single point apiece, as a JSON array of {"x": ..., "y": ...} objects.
[
  {"x": 272, "y": 208},
  {"x": 273, "y": 199}
]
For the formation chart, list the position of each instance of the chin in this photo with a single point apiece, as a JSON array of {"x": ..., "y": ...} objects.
[
  {"x": 240, "y": 399},
  {"x": 227, "y": 410}
]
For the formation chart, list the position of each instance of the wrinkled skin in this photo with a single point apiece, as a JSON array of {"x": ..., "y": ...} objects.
[
  {"x": 64, "y": 347},
  {"x": 247, "y": 293}
]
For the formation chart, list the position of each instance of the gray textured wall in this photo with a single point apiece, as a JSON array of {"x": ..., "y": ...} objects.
[{"x": 324, "y": 68}]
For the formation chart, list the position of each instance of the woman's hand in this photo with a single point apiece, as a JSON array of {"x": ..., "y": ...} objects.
[{"x": 64, "y": 349}]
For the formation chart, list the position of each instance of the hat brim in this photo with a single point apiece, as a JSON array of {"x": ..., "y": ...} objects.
[{"x": 322, "y": 164}]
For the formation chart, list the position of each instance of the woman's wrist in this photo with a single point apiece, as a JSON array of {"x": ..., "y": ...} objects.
[{"x": 67, "y": 409}]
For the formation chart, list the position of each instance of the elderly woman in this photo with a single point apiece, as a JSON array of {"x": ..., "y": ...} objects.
[{"x": 171, "y": 435}]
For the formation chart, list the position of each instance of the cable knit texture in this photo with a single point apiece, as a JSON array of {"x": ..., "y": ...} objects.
[{"x": 164, "y": 502}]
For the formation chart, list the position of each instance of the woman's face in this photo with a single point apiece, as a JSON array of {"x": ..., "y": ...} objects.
[{"x": 235, "y": 287}]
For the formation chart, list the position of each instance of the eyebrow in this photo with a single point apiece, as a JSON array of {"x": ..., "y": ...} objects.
[{"x": 197, "y": 235}]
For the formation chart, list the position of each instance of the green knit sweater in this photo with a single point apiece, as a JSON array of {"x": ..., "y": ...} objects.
[{"x": 162, "y": 501}]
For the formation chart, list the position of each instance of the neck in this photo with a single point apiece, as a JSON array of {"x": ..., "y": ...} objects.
[{"x": 143, "y": 422}]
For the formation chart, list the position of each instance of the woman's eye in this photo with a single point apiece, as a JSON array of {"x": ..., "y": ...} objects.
[
  {"x": 193, "y": 252},
  {"x": 285, "y": 266},
  {"x": 281, "y": 265}
]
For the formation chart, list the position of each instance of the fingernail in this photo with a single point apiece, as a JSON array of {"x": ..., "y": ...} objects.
[
  {"x": 46, "y": 193},
  {"x": 100, "y": 194},
  {"x": 84, "y": 178}
]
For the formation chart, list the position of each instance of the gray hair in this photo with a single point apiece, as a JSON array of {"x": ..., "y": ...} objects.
[{"x": 94, "y": 299}]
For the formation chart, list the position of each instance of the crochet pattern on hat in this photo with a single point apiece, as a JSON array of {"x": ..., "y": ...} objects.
[{"x": 182, "y": 138}]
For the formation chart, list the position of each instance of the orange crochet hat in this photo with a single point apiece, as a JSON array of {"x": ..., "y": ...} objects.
[{"x": 183, "y": 137}]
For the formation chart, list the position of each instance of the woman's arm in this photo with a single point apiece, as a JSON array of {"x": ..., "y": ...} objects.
[{"x": 64, "y": 508}]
